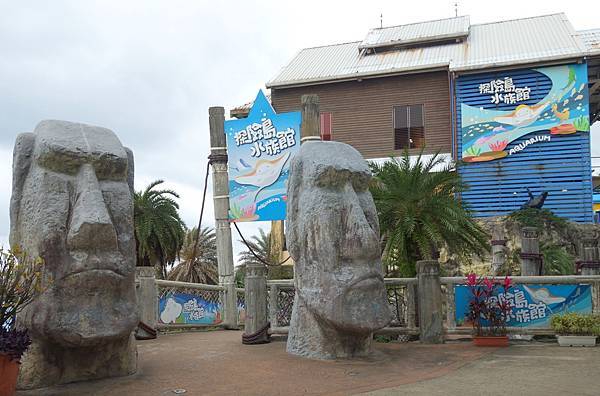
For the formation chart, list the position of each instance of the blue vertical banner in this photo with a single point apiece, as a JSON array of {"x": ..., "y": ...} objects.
[{"x": 260, "y": 148}]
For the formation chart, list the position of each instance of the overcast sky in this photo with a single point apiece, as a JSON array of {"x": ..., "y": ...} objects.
[{"x": 149, "y": 70}]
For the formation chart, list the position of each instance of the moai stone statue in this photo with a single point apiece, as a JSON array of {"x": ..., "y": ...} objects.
[
  {"x": 333, "y": 237},
  {"x": 72, "y": 205}
]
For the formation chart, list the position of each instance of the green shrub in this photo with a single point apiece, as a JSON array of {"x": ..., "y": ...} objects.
[
  {"x": 538, "y": 218},
  {"x": 576, "y": 324}
]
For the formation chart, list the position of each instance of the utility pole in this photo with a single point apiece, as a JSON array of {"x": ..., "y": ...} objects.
[{"x": 218, "y": 158}]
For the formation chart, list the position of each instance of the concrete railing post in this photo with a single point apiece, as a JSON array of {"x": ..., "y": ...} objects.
[
  {"x": 218, "y": 157},
  {"x": 531, "y": 260},
  {"x": 255, "y": 286},
  {"x": 147, "y": 301},
  {"x": 429, "y": 291}
]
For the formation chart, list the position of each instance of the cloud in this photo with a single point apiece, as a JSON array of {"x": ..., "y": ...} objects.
[{"x": 150, "y": 69}]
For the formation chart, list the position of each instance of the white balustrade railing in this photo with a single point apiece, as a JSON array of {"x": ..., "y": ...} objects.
[{"x": 408, "y": 300}]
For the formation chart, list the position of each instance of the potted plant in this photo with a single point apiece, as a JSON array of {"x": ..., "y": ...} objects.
[
  {"x": 488, "y": 311},
  {"x": 575, "y": 329},
  {"x": 20, "y": 280}
]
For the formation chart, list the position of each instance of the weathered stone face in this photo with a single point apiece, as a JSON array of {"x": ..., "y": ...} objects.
[
  {"x": 72, "y": 205},
  {"x": 333, "y": 236}
]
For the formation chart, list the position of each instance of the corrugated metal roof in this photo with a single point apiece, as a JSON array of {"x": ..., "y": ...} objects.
[
  {"x": 429, "y": 31},
  {"x": 591, "y": 40},
  {"x": 518, "y": 41}
]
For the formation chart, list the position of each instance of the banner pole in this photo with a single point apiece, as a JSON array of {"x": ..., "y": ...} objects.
[{"x": 218, "y": 158}]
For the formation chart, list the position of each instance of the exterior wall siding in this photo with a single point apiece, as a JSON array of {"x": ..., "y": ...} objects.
[
  {"x": 362, "y": 111},
  {"x": 561, "y": 166}
]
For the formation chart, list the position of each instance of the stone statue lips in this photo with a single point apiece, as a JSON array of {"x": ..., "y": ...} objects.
[
  {"x": 367, "y": 281},
  {"x": 97, "y": 268}
]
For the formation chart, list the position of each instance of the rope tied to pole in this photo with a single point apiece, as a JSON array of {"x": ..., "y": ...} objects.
[{"x": 261, "y": 336}]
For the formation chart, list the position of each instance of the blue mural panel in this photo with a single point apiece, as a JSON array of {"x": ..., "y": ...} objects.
[
  {"x": 532, "y": 305},
  {"x": 181, "y": 308},
  {"x": 259, "y": 149},
  {"x": 526, "y": 128}
]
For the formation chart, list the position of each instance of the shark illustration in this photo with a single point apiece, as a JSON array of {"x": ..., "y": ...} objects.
[
  {"x": 264, "y": 173},
  {"x": 543, "y": 295}
]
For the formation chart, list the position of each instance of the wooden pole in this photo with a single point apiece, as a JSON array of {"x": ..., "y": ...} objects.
[
  {"x": 311, "y": 124},
  {"x": 531, "y": 263},
  {"x": 589, "y": 257},
  {"x": 218, "y": 156},
  {"x": 498, "y": 248}
]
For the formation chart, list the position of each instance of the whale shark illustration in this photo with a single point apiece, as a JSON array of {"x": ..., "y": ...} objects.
[
  {"x": 264, "y": 173},
  {"x": 543, "y": 295}
]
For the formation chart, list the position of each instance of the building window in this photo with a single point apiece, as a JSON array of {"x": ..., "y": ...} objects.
[
  {"x": 409, "y": 127},
  {"x": 326, "y": 126}
]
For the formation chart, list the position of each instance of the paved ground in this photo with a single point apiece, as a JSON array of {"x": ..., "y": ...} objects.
[{"x": 217, "y": 363}]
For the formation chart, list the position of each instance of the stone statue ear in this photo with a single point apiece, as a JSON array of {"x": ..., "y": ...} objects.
[
  {"x": 22, "y": 157},
  {"x": 130, "y": 169}
]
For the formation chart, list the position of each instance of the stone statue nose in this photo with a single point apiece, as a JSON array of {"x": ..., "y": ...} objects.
[{"x": 91, "y": 226}]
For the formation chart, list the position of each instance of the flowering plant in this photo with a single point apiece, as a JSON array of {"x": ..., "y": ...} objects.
[
  {"x": 20, "y": 283},
  {"x": 488, "y": 310}
]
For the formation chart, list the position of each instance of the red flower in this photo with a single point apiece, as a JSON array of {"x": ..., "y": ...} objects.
[
  {"x": 471, "y": 279},
  {"x": 507, "y": 282},
  {"x": 488, "y": 283}
]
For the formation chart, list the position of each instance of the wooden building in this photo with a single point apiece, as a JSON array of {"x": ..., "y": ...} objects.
[{"x": 513, "y": 99}]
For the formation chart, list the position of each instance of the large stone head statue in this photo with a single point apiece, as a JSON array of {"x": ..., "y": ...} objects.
[
  {"x": 72, "y": 205},
  {"x": 333, "y": 236}
]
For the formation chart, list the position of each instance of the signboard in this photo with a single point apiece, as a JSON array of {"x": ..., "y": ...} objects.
[
  {"x": 545, "y": 103},
  {"x": 533, "y": 304},
  {"x": 259, "y": 148},
  {"x": 182, "y": 308}
]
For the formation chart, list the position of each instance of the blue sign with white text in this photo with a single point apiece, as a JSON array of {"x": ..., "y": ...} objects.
[
  {"x": 259, "y": 149},
  {"x": 532, "y": 304}
]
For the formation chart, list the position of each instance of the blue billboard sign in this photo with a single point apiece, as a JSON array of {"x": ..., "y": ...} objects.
[
  {"x": 542, "y": 104},
  {"x": 259, "y": 150},
  {"x": 533, "y": 304}
]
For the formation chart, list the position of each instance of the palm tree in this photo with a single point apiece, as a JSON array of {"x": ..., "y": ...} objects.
[
  {"x": 203, "y": 267},
  {"x": 159, "y": 231},
  {"x": 262, "y": 247},
  {"x": 419, "y": 212}
]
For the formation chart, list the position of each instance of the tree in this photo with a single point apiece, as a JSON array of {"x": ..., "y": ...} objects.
[
  {"x": 203, "y": 267},
  {"x": 159, "y": 231},
  {"x": 419, "y": 212}
]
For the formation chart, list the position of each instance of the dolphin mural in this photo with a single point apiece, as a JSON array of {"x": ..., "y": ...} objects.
[
  {"x": 543, "y": 295},
  {"x": 264, "y": 173}
]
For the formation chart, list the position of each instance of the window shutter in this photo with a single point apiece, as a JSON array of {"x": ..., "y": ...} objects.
[
  {"x": 416, "y": 126},
  {"x": 401, "y": 127},
  {"x": 326, "y": 126}
]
